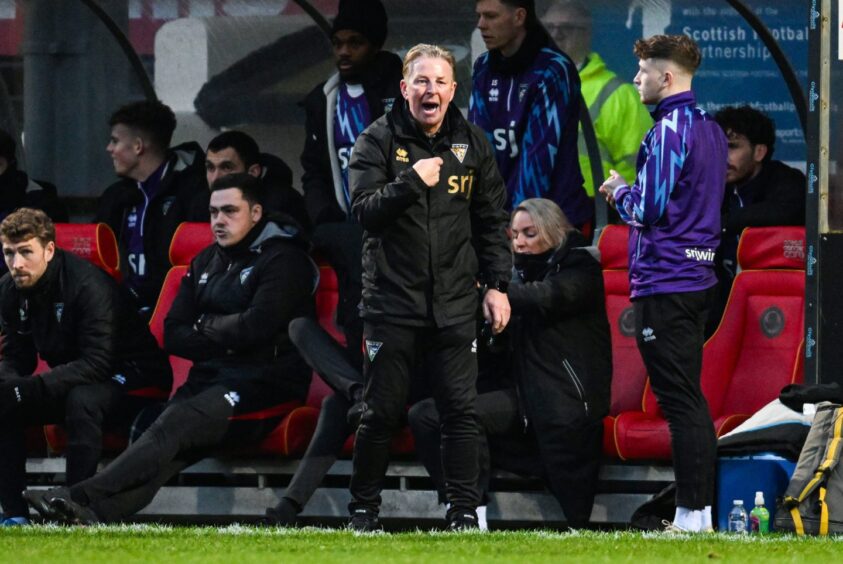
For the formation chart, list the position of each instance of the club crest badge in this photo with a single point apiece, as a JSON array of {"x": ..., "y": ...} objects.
[
  {"x": 459, "y": 150},
  {"x": 372, "y": 348},
  {"x": 244, "y": 274},
  {"x": 59, "y": 311}
]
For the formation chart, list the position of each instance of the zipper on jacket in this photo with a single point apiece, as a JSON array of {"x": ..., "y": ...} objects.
[
  {"x": 577, "y": 383},
  {"x": 522, "y": 412}
]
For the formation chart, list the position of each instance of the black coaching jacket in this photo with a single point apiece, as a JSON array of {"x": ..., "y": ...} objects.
[
  {"x": 83, "y": 325},
  {"x": 424, "y": 248},
  {"x": 231, "y": 314}
]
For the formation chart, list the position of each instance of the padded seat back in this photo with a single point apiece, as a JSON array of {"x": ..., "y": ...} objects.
[
  {"x": 189, "y": 239},
  {"x": 94, "y": 242},
  {"x": 628, "y": 372},
  {"x": 759, "y": 341}
]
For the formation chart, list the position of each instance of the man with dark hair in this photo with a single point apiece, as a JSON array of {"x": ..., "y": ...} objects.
[
  {"x": 363, "y": 88},
  {"x": 159, "y": 188},
  {"x": 428, "y": 194},
  {"x": 620, "y": 119},
  {"x": 17, "y": 190},
  {"x": 760, "y": 192},
  {"x": 101, "y": 355},
  {"x": 526, "y": 97},
  {"x": 673, "y": 209},
  {"x": 230, "y": 318},
  {"x": 235, "y": 151}
]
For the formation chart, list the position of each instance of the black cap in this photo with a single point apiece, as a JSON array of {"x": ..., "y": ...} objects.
[{"x": 367, "y": 17}]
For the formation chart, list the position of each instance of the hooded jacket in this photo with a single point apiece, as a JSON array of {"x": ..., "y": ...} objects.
[
  {"x": 83, "y": 325},
  {"x": 322, "y": 179},
  {"x": 231, "y": 314},
  {"x": 559, "y": 333},
  {"x": 424, "y": 248},
  {"x": 183, "y": 196}
]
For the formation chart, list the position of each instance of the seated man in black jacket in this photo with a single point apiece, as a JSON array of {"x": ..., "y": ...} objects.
[
  {"x": 160, "y": 187},
  {"x": 234, "y": 151},
  {"x": 230, "y": 318},
  {"x": 760, "y": 192},
  {"x": 86, "y": 328}
]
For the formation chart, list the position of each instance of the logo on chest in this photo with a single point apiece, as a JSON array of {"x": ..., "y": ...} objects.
[
  {"x": 401, "y": 155},
  {"x": 59, "y": 311},
  {"x": 522, "y": 91},
  {"x": 204, "y": 278},
  {"x": 459, "y": 150},
  {"x": 244, "y": 274},
  {"x": 494, "y": 92}
]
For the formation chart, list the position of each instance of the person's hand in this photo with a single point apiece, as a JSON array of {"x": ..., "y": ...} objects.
[
  {"x": 612, "y": 183},
  {"x": 429, "y": 169},
  {"x": 16, "y": 392},
  {"x": 496, "y": 310}
]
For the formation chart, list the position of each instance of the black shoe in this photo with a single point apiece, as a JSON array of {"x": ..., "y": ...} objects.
[
  {"x": 462, "y": 521},
  {"x": 355, "y": 413},
  {"x": 285, "y": 514},
  {"x": 364, "y": 521},
  {"x": 69, "y": 511},
  {"x": 39, "y": 500}
]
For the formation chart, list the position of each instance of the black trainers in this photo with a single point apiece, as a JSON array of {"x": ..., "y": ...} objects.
[
  {"x": 69, "y": 511},
  {"x": 39, "y": 500},
  {"x": 463, "y": 521},
  {"x": 364, "y": 521},
  {"x": 285, "y": 514}
]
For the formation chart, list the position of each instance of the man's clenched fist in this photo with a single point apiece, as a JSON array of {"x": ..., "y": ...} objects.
[{"x": 429, "y": 169}]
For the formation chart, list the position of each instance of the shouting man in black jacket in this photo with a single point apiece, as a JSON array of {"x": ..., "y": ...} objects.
[
  {"x": 427, "y": 192},
  {"x": 103, "y": 360},
  {"x": 365, "y": 86},
  {"x": 230, "y": 318},
  {"x": 159, "y": 189}
]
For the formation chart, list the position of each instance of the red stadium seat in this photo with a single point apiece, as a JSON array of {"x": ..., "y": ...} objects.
[
  {"x": 94, "y": 242},
  {"x": 755, "y": 352},
  {"x": 188, "y": 240},
  {"x": 628, "y": 373}
]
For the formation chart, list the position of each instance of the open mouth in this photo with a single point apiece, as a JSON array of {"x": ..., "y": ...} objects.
[{"x": 430, "y": 108}]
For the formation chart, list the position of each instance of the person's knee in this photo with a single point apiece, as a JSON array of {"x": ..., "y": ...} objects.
[
  {"x": 335, "y": 404},
  {"x": 84, "y": 402},
  {"x": 423, "y": 417},
  {"x": 297, "y": 329}
]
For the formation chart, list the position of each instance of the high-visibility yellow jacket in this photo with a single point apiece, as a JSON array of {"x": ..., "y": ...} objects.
[{"x": 620, "y": 120}]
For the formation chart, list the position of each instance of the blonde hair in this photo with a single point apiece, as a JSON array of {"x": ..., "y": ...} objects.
[
  {"x": 427, "y": 50},
  {"x": 550, "y": 221}
]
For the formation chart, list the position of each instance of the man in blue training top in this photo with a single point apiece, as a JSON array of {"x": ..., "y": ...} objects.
[
  {"x": 673, "y": 209},
  {"x": 526, "y": 97}
]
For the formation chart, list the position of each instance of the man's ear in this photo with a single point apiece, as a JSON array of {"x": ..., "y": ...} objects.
[
  {"x": 139, "y": 145},
  {"x": 404, "y": 88},
  {"x": 50, "y": 250},
  {"x": 255, "y": 170},
  {"x": 520, "y": 16},
  {"x": 256, "y": 213},
  {"x": 760, "y": 152}
]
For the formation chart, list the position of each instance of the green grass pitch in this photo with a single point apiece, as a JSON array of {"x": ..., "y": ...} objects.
[{"x": 235, "y": 544}]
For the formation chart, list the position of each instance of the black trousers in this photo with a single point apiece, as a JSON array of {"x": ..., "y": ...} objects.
[
  {"x": 670, "y": 334},
  {"x": 330, "y": 361},
  {"x": 191, "y": 427},
  {"x": 342, "y": 245},
  {"x": 565, "y": 455},
  {"x": 86, "y": 411},
  {"x": 451, "y": 370}
]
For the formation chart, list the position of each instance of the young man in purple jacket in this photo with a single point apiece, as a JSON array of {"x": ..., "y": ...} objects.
[{"x": 673, "y": 209}]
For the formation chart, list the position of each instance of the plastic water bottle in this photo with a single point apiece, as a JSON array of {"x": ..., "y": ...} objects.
[
  {"x": 737, "y": 518},
  {"x": 759, "y": 517}
]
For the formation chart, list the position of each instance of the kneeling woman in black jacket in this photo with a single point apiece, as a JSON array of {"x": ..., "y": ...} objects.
[{"x": 544, "y": 415}]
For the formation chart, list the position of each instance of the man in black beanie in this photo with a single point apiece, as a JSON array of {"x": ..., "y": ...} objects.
[{"x": 366, "y": 84}]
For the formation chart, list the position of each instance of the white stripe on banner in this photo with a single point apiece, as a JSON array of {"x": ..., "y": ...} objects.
[{"x": 7, "y": 9}]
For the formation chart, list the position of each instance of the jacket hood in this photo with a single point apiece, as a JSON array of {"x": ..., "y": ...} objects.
[{"x": 186, "y": 155}]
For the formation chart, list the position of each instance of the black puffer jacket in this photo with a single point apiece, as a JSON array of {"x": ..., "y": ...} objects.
[
  {"x": 233, "y": 307},
  {"x": 425, "y": 248},
  {"x": 183, "y": 196},
  {"x": 321, "y": 181},
  {"x": 83, "y": 325},
  {"x": 17, "y": 190},
  {"x": 560, "y": 336}
]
